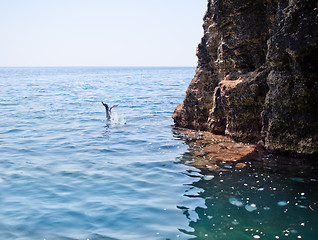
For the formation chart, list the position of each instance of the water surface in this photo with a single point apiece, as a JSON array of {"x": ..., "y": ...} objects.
[{"x": 66, "y": 173}]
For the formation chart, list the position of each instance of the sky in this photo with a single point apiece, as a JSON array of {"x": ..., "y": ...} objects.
[{"x": 100, "y": 32}]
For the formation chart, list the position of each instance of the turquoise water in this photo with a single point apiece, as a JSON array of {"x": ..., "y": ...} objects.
[{"x": 66, "y": 173}]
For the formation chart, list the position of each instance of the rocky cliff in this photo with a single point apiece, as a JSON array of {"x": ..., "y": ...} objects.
[{"x": 257, "y": 74}]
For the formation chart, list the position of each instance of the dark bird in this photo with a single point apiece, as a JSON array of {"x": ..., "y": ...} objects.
[{"x": 108, "y": 110}]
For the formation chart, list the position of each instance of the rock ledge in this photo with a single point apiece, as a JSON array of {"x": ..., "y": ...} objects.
[{"x": 257, "y": 75}]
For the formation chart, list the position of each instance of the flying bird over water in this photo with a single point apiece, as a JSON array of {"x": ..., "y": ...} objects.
[{"x": 108, "y": 110}]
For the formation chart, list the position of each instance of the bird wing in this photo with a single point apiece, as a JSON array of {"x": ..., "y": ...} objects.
[{"x": 113, "y": 107}]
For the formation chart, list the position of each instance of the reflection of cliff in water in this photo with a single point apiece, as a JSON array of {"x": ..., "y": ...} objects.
[{"x": 250, "y": 199}]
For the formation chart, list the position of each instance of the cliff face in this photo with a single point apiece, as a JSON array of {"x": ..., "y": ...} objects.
[{"x": 257, "y": 74}]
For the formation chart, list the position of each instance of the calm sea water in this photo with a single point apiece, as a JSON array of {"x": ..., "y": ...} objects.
[{"x": 66, "y": 173}]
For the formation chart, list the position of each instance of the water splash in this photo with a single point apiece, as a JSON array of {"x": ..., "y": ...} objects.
[{"x": 117, "y": 119}]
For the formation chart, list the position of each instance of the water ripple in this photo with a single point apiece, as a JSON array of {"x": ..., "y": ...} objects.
[{"x": 66, "y": 173}]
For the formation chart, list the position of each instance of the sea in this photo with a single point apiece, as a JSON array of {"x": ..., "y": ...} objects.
[{"x": 66, "y": 172}]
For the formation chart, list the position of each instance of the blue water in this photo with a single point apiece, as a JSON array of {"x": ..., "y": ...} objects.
[{"x": 67, "y": 173}]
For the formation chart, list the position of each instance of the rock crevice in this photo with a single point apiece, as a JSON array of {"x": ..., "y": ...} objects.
[{"x": 257, "y": 74}]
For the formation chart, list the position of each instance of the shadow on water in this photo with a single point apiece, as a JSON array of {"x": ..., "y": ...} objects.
[{"x": 250, "y": 198}]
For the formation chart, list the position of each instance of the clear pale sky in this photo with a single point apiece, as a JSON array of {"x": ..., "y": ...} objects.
[{"x": 100, "y": 32}]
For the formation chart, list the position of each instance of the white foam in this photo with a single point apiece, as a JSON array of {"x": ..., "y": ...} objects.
[{"x": 117, "y": 119}]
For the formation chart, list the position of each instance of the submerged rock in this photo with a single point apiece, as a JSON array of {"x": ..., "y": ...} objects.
[
  {"x": 208, "y": 177},
  {"x": 250, "y": 207},
  {"x": 302, "y": 206},
  {"x": 256, "y": 78},
  {"x": 282, "y": 203},
  {"x": 236, "y": 202},
  {"x": 235, "y": 222},
  {"x": 297, "y": 179}
]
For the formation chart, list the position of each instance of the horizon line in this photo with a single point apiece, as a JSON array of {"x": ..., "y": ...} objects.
[{"x": 100, "y": 66}]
